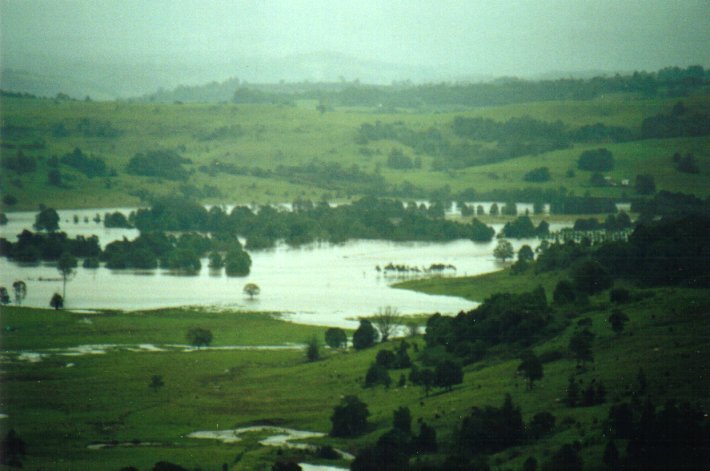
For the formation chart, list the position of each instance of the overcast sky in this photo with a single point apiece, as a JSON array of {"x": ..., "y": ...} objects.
[{"x": 502, "y": 37}]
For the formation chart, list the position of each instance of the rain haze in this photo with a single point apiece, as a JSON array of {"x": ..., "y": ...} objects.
[{"x": 124, "y": 47}]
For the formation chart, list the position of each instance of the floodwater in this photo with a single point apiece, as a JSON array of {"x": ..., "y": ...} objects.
[{"x": 321, "y": 284}]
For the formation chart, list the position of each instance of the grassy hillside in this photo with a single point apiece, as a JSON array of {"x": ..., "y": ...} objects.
[
  {"x": 62, "y": 404},
  {"x": 269, "y": 136}
]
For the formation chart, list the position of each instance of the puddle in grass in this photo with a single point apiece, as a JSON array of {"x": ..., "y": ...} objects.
[
  {"x": 102, "y": 349},
  {"x": 283, "y": 437}
]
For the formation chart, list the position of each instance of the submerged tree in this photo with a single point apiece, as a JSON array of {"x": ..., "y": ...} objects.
[
  {"x": 387, "y": 319},
  {"x": 66, "y": 266},
  {"x": 252, "y": 289},
  {"x": 504, "y": 250},
  {"x": 20, "y": 289}
]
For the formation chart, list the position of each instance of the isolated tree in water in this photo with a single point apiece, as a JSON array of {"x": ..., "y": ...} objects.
[
  {"x": 20, "y": 289},
  {"x": 251, "y": 289},
  {"x": 57, "y": 301},
  {"x": 66, "y": 265},
  {"x": 4, "y": 296},
  {"x": 504, "y": 250}
]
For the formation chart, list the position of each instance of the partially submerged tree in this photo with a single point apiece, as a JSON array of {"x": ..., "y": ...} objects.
[
  {"x": 387, "y": 320},
  {"x": 252, "y": 289},
  {"x": 20, "y": 289},
  {"x": 504, "y": 250},
  {"x": 4, "y": 296},
  {"x": 66, "y": 266}
]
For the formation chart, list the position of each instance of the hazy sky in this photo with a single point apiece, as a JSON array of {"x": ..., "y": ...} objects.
[{"x": 502, "y": 37}]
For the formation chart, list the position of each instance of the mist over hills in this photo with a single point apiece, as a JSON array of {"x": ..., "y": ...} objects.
[{"x": 122, "y": 78}]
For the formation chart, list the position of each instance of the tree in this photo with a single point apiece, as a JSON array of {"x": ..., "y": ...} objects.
[
  {"x": 216, "y": 261},
  {"x": 377, "y": 374},
  {"x": 237, "y": 263},
  {"x": 572, "y": 392},
  {"x": 4, "y": 296},
  {"x": 612, "y": 459},
  {"x": 365, "y": 335},
  {"x": 66, "y": 265},
  {"x": 54, "y": 177},
  {"x": 57, "y": 301},
  {"x": 12, "y": 448},
  {"x": 565, "y": 459},
  {"x": 402, "y": 420},
  {"x": 526, "y": 254},
  {"x": 387, "y": 320},
  {"x": 504, "y": 250},
  {"x": 251, "y": 289},
  {"x": 564, "y": 292},
  {"x": 349, "y": 418},
  {"x": 156, "y": 382},
  {"x": 580, "y": 344},
  {"x": 335, "y": 337},
  {"x": 448, "y": 373},
  {"x": 47, "y": 220},
  {"x": 312, "y": 349},
  {"x": 618, "y": 320},
  {"x": 596, "y": 160},
  {"x": 20, "y": 289},
  {"x": 590, "y": 277},
  {"x": 645, "y": 184},
  {"x": 199, "y": 337},
  {"x": 531, "y": 367}
]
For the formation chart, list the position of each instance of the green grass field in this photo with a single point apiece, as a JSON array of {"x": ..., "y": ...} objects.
[
  {"x": 281, "y": 135},
  {"x": 62, "y": 404}
]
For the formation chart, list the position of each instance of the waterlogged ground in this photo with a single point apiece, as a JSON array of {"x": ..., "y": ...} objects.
[{"x": 320, "y": 284}]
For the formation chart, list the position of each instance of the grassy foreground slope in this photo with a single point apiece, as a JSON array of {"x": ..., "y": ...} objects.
[
  {"x": 62, "y": 404},
  {"x": 264, "y": 137}
]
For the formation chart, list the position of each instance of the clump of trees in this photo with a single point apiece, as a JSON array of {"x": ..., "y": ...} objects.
[
  {"x": 159, "y": 163},
  {"x": 501, "y": 318}
]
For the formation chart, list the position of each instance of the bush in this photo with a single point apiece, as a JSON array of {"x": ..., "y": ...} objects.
[
  {"x": 541, "y": 424},
  {"x": 335, "y": 337},
  {"x": 377, "y": 374},
  {"x": 538, "y": 175},
  {"x": 619, "y": 295}
]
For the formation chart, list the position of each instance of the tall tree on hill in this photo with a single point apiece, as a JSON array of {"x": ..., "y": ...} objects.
[{"x": 531, "y": 367}]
